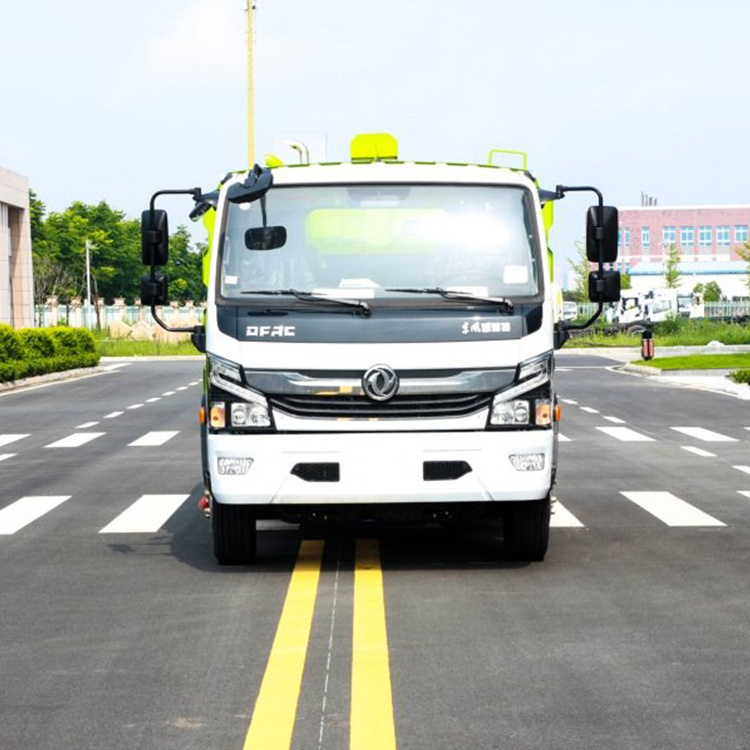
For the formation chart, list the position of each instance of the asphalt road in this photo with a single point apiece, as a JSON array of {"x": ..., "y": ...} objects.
[{"x": 633, "y": 634}]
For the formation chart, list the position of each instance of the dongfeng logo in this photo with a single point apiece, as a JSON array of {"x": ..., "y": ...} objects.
[{"x": 380, "y": 383}]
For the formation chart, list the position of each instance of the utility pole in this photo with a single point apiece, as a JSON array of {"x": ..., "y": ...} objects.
[
  {"x": 250, "y": 83},
  {"x": 88, "y": 285}
]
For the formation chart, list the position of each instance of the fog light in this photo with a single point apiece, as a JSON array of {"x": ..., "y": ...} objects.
[
  {"x": 217, "y": 417},
  {"x": 250, "y": 415},
  {"x": 527, "y": 461},
  {"x": 510, "y": 412},
  {"x": 233, "y": 466}
]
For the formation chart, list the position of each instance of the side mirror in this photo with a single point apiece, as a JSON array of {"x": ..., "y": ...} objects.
[
  {"x": 154, "y": 290},
  {"x": 265, "y": 238},
  {"x": 255, "y": 186},
  {"x": 604, "y": 286},
  {"x": 154, "y": 238},
  {"x": 606, "y": 231}
]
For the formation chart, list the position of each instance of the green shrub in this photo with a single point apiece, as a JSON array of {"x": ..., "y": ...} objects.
[
  {"x": 73, "y": 339},
  {"x": 38, "y": 342},
  {"x": 37, "y": 351},
  {"x": 740, "y": 376},
  {"x": 10, "y": 344}
]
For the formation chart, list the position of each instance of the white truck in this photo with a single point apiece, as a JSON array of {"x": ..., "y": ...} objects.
[{"x": 379, "y": 343}]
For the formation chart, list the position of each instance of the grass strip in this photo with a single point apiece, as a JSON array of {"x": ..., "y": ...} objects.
[{"x": 699, "y": 362}]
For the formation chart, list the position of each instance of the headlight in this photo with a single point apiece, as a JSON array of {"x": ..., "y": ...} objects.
[
  {"x": 508, "y": 409},
  {"x": 252, "y": 411}
]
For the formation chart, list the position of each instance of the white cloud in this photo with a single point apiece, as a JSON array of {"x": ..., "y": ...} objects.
[{"x": 203, "y": 40}]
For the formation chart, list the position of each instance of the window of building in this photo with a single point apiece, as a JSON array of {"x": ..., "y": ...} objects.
[
  {"x": 646, "y": 237},
  {"x": 722, "y": 235},
  {"x": 687, "y": 238},
  {"x": 704, "y": 236},
  {"x": 740, "y": 232},
  {"x": 669, "y": 236},
  {"x": 626, "y": 237}
]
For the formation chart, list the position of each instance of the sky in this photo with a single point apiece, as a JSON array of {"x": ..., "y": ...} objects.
[{"x": 115, "y": 100}]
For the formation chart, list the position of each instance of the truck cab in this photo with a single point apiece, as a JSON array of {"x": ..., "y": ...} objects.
[{"x": 379, "y": 344}]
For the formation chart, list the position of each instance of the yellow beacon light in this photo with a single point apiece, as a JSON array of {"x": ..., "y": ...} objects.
[{"x": 373, "y": 147}]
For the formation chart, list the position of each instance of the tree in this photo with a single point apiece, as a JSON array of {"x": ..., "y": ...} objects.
[
  {"x": 581, "y": 267},
  {"x": 712, "y": 292},
  {"x": 625, "y": 282},
  {"x": 671, "y": 268},
  {"x": 698, "y": 288}
]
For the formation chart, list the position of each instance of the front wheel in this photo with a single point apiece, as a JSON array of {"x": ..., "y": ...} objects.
[
  {"x": 234, "y": 533},
  {"x": 526, "y": 529}
]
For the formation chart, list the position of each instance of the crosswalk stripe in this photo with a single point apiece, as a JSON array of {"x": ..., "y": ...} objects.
[
  {"x": 8, "y": 439},
  {"x": 746, "y": 469},
  {"x": 562, "y": 518},
  {"x": 154, "y": 438},
  {"x": 671, "y": 509},
  {"x": 4, "y": 456},
  {"x": 615, "y": 420},
  {"x": 27, "y": 509},
  {"x": 589, "y": 410},
  {"x": 698, "y": 451},
  {"x": 146, "y": 515},
  {"x": 701, "y": 433},
  {"x": 75, "y": 440},
  {"x": 626, "y": 434}
]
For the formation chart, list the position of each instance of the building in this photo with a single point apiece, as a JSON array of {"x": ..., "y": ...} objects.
[
  {"x": 16, "y": 279},
  {"x": 706, "y": 237}
]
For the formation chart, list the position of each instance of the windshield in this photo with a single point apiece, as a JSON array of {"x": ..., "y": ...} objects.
[{"x": 381, "y": 241}]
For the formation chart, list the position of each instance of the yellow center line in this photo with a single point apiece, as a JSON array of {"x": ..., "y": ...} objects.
[
  {"x": 273, "y": 719},
  {"x": 372, "y": 725}
]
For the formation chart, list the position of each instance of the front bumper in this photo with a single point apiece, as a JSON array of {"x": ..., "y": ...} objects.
[{"x": 381, "y": 468}]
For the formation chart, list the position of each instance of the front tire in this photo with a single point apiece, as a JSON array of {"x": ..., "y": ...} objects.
[
  {"x": 526, "y": 529},
  {"x": 234, "y": 533}
]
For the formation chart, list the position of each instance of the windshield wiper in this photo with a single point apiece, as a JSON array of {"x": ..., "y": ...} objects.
[
  {"x": 502, "y": 302},
  {"x": 362, "y": 307}
]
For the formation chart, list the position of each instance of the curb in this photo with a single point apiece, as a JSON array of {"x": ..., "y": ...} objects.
[
  {"x": 640, "y": 369},
  {"x": 51, "y": 377}
]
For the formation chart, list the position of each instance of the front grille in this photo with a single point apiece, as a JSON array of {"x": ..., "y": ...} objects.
[
  {"x": 399, "y": 407},
  {"x": 440, "y": 471},
  {"x": 317, "y": 472}
]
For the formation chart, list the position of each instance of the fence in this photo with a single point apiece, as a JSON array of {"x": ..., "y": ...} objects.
[{"x": 80, "y": 315}]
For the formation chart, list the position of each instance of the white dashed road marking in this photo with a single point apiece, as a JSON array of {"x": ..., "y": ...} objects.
[
  {"x": 4, "y": 456},
  {"x": 589, "y": 410},
  {"x": 168, "y": 393},
  {"x": 698, "y": 451},
  {"x": 615, "y": 420},
  {"x": 569, "y": 401},
  {"x": 626, "y": 434},
  {"x": 671, "y": 510},
  {"x": 562, "y": 518},
  {"x": 134, "y": 406},
  {"x": 703, "y": 434},
  {"x": 746, "y": 469},
  {"x": 8, "y": 439},
  {"x": 153, "y": 400},
  {"x": 75, "y": 440},
  {"x": 27, "y": 509},
  {"x": 113, "y": 414},
  {"x": 86, "y": 425},
  {"x": 146, "y": 515},
  {"x": 154, "y": 438},
  {"x": 563, "y": 439}
]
